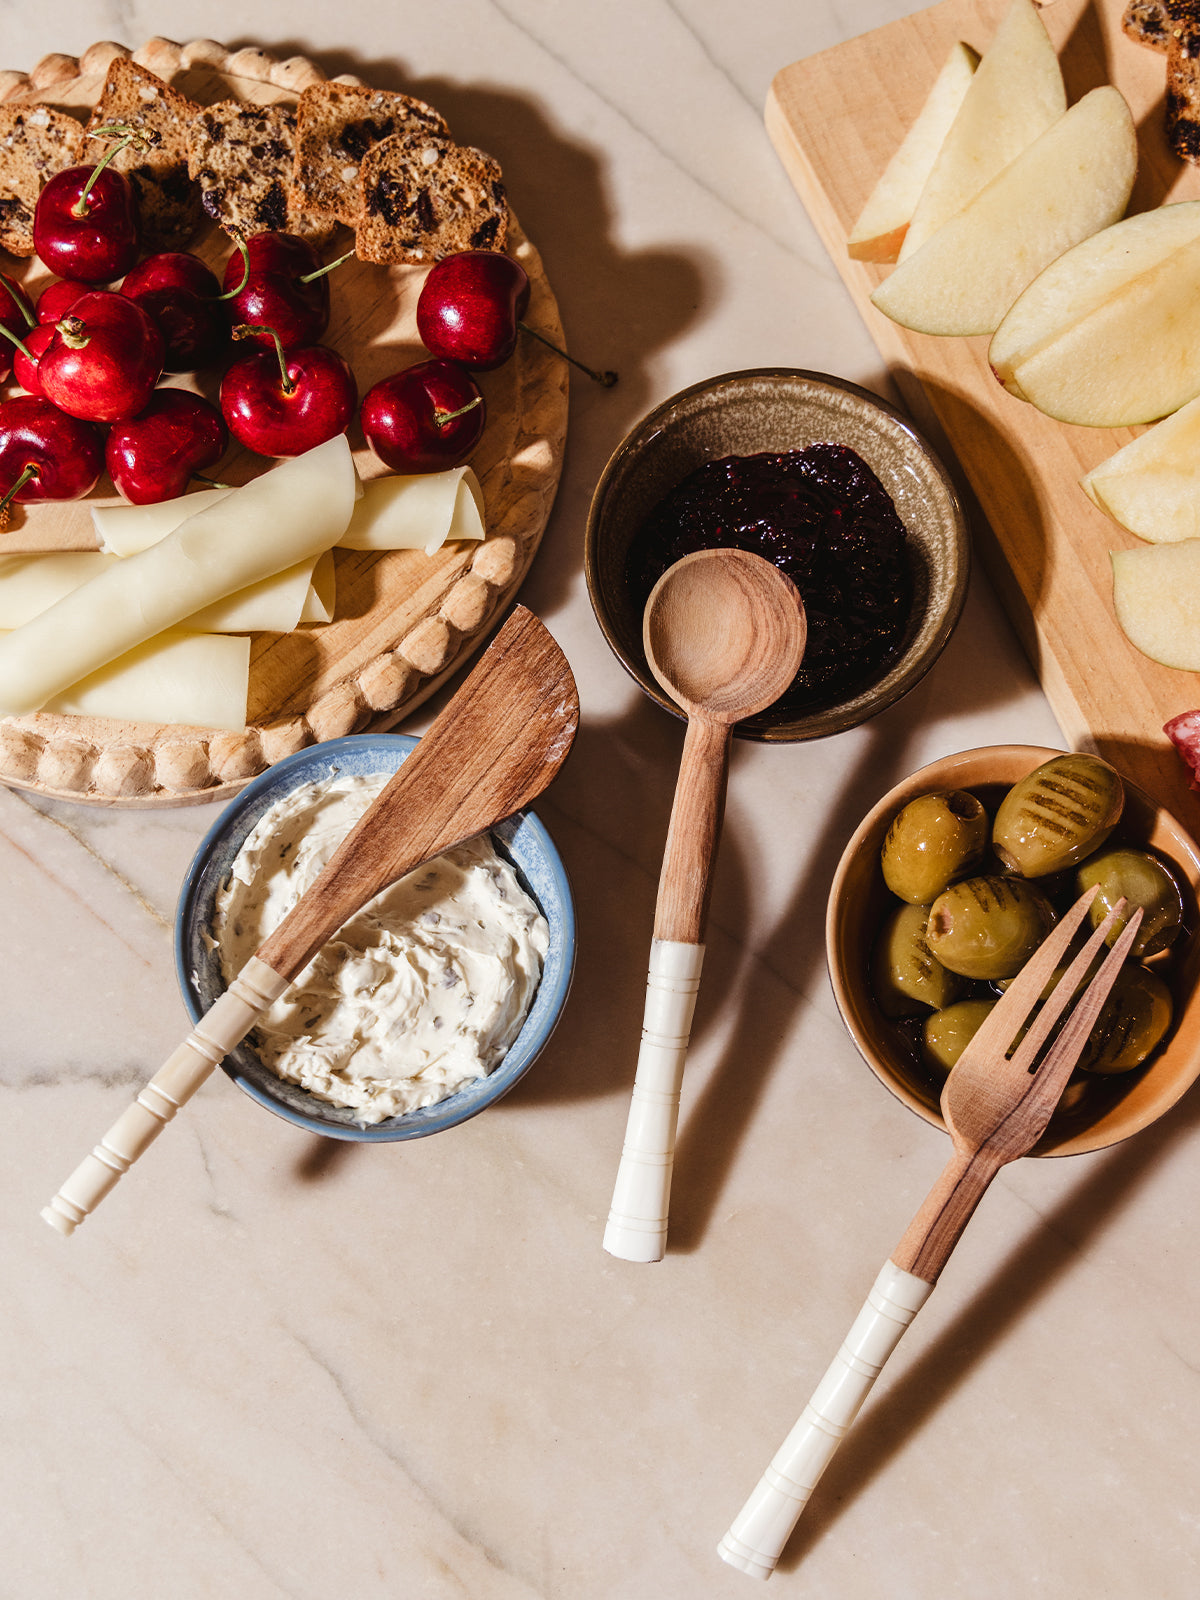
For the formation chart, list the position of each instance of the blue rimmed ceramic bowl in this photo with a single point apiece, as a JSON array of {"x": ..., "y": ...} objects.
[{"x": 522, "y": 839}]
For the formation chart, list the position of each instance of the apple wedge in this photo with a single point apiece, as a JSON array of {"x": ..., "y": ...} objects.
[
  {"x": 1156, "y": 595},
  {"x": 1072, "y": 181},
  {"x": 883, "y": 221},
  {"x": 1081, "y": 281},
  {"x": 1152, "y": 485},
  {"x": 1016, "y": 94}
]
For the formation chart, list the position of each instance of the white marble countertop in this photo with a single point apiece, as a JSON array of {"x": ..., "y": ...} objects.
[{"x": 278, "y": 1366}]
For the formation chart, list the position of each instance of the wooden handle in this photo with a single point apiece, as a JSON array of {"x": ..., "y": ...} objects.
[
  {"x": 945, "y": 1212},
  {"x": 758, "y": 1534},
  {"x": 699, "y": 805},
  {"x": 223, "y": 1026},
  {"x": 637, "y": 1222}
]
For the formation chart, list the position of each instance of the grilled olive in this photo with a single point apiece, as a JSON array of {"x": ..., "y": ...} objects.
[
  {"x": 988, "y": 927},
  {"x": 948, "y": 1032},
  {"x": 1145, "y": 881},
  {"x": 1132, "y": 1022},
  {"x": 1057, "y": 815},
  {"x": 906, "y": 976},
  {"x": 933, "y": 840}
]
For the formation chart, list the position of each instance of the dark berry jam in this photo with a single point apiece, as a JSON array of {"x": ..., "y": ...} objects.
[{"x": 822, "y": 517}]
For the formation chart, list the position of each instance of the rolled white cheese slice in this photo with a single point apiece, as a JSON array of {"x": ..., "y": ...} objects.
[
  {"x": 291, "y": 513},
  {"x": 321, "y": 599},
  {"x": 29, "y": 584},
  {"x": 124, "y": 530},
  {"x": 197, "y": 679},
  {"x": 421, "y": 512}
]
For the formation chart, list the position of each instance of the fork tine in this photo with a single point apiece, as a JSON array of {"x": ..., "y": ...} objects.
[
  {"x": 1000, "y": 1027},
  {"x": 1060, "y": 997},
  {"x": 1062, "y": 1055}
]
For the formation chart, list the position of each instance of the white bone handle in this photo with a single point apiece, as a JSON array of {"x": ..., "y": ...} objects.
[
  {"x": 222, "y": 1027},
  {"x": 637, "y": 1222},
  {"x": 759, "y": 1532}
]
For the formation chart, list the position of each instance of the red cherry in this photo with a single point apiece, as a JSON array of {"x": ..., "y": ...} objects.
[
  {"x": 16, "y": 318},
  {"x": 470, "y": 308},
  {"x": 56, "y": 299},
  {"x": 425, "y": 418},
  {"x": 25, "y": 362},
  {"x": 281, "y": 403},
  {"x": 274, "y": 294},
  {"x": 104, "y": 359},
  {"x": 180, "y": 295},
  {"x": 153, "y": 456},
  {"x": 45, "y": 454},
  {"x": 85, "y": 223}
]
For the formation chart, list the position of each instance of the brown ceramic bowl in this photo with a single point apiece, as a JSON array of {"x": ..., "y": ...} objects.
[
  {"x": 746, "y": 413},
  {"x": 1113, "y": 1107}
]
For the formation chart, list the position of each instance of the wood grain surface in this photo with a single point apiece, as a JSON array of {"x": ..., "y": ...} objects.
[
  {"x": 404, "y": 621},
  {"x": 835, "y": 120}
]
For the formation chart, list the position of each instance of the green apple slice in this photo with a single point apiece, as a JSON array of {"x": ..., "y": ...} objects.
[
  {"x": 883, "y": 221},
  {"x": 1152, "y": 485},
  {"x": 1082, "y": 280},
  {"x": 1013, "y": 98},
  {"x": 1156, "y": 595},
  {"x": 1072, "y": 181}
]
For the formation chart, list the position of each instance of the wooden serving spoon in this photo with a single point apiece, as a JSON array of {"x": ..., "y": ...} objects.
[
  {"x": 724, "y": 633},
  {"x": 492, "y": 751},
  {"x": 996, "y": 1103}
]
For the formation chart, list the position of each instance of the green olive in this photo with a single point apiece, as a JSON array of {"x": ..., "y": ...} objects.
[
  {"x": 905, "y": 977},
  {"x": 988, "y": 927},
  {"x": 1057, "y": 815},
  {"x": 933, "y": 840},
  {"x": 1145, "y": 881},
  {"x": 1132, "y": 1022},
  {"x": 948, "y": 1032}
]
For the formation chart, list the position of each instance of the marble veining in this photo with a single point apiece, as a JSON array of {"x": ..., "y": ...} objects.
[{"x": 282, "y": 1368}]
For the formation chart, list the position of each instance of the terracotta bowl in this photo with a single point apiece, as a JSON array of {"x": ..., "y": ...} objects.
[
  {"x": 746, "y": 413},
  {"x": 1113, "y": 1107}
]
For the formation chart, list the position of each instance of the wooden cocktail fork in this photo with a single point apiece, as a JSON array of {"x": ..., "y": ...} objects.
[
  {"x": 492, "y": 751},
  {"x": 996, "y": 1106}
]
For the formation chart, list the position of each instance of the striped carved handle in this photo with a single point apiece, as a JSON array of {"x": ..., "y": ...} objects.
[
  {"x": 222, "y": 1027},
  {"x": 637, "y": 1223},
  {"x": 764, "y": 1524}
]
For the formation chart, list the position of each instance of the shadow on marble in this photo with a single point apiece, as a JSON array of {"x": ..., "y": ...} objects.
[{"x": 1052, "y": 1248}]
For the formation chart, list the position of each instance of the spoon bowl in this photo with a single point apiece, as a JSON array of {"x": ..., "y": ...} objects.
[{"x": 724, "y": 634}]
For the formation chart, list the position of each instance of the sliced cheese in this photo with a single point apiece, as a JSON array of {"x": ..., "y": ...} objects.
[
  {"x": 124, "y": 530},
  {"x": 421, "y": 512},
  {"x": 291, "y": 513},
  {"x": 29, "y": 584},
  {"x": 196, "y": 679},
  {"x": 321, "y": 599}
]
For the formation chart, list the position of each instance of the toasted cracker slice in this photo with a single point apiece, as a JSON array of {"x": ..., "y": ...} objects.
[
  {"x": 336, "y": 124},
  {"x": 424, "y": 197}
]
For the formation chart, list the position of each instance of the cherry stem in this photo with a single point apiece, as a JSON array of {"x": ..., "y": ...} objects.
[
  {"x": 441, "y": 418},
  {"x": 74, "y": 333},
  {"x": 211, "y": 483},
  {"x": 30, "y": 471},
  {"x": 232, "y": 294},
  {"x": 125, "y": 137},
  {"x": 30, "y": 319},
  {"x": 311, "y": 277},
  {"x": 607, "y": 379},
  {"x": 20, "y": 344},
  {"x": 247, "y": 330}
]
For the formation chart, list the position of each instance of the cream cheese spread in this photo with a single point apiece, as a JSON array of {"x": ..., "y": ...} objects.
[{"x": 423, "y": 991}]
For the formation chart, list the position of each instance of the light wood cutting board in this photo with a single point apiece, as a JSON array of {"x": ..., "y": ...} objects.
[
  {"x": 404, "y": 621},
  {"x": 835, "y": 120}
]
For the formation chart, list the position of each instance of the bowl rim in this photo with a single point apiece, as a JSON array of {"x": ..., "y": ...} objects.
[
  {"x": 235, "y": 821},
  {"x": 940, "y": 774},
  {"x": 836, "y": 719}
]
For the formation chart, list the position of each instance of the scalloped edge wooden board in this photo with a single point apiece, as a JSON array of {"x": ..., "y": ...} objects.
[
  {"x": 835, "y": 119},
  {"x": 404, "y": 621}
]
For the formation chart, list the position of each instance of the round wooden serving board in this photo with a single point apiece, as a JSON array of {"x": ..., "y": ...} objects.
[{"x": 404, "y": 621}]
